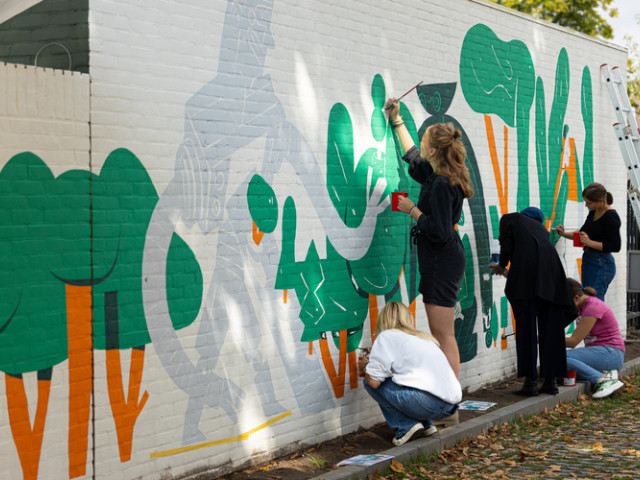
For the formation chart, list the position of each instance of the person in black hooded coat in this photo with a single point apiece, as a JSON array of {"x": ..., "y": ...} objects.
[{"x": 539, "y": 296}]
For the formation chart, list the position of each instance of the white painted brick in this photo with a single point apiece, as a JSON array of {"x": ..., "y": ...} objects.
[{"x": 147, "y": 60}]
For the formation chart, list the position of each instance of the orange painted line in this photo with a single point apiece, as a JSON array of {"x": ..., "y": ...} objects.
[
  {"x": 125, "y": 413},
  {"x": 257, "y": 234},
  {"x": 549, "y": 221},
  {"x": 310, "y": 348},
  {"x": 572, "y": 194},
  {"x": 373, "y": 315},
  {"x": 237, "y": 438},
  {"x": 579, "y": 261},
  {"x": 353, "y": 370},
  {"x": 28, "y": 440},
  {"x": 80, "y": 345},
  {"x": 412, "y": 309},
  {"x": 503, "y": 190},
  {"x": 337, "y": 379},
  {"x": 284, "y": 296}
]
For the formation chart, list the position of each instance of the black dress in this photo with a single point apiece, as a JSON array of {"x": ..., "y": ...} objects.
[{"x": 441, "y": 257}]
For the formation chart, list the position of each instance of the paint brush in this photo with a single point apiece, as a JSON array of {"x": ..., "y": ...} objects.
[{"x": 410, "y": 90}]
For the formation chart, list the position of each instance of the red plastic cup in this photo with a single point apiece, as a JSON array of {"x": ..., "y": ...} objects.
[
  {"x": 394, "y": 199},
  {"x": 570, "y": 379},
  {"x": 576, "y": 240}
]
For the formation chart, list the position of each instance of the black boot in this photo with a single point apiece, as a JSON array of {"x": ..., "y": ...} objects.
[
  {"x": 550, "y": 386},
  {"x": 529, "y": 388}
]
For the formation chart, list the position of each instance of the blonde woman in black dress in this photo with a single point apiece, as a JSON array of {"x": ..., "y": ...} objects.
[{"x": 439, "y": 166}]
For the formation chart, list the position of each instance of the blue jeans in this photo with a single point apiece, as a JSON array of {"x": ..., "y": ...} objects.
[
  {"x": 590, "y": 362},
  {"x": 598, "y": 269},
  {"x": 403, "y": 407}
]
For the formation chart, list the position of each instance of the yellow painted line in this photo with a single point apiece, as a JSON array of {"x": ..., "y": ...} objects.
[{"x": 242, "y": 436}]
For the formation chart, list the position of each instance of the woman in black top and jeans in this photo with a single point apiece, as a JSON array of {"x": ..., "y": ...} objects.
[
  {"x": 600, "y": 236},
  {"x": 439, "y": 166}
]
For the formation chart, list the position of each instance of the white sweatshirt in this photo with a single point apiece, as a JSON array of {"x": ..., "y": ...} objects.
[{"x": 413, "y": 362}]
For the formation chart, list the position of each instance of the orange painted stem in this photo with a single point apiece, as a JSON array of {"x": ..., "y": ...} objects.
[
  {"x": 80, "y": 346},
  {"x": 373, "y": 315},
  {"x": 503, "y": 190},
  {"x": 125, "y": 412},
  {"x": 561, "y": 171},
  {"x": 573, "y": 173},
  {"x": 412, "y": 309},
  {"x": 28, "y": 440},
  {"x": 353, "y": 370},
  {"x": 337, "y": 380},
  {"x": 256, "y": 233}
]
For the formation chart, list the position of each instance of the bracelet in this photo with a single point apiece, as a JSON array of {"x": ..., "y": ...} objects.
[
  {"x": 397, "y": 123},
  {"x": 411, "y": 209}
]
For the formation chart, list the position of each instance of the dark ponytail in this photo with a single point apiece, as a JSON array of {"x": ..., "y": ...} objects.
[
  {"x": 596, "y": 192},
  {"x": 577, "y": 289}
]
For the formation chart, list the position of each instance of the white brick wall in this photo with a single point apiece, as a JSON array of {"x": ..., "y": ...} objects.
[{"x": 148, "y": 61}]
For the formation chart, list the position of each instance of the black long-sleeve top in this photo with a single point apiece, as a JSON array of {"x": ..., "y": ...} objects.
[
  {"x": 606, "y": 230},
  {"x": 439, "y": 202}
]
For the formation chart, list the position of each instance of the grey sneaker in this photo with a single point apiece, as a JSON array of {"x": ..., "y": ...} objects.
[
  {"x": 607, "y": 387},
  {"x": 611, "y": 374},
  {"x": 407, "y": 436}
]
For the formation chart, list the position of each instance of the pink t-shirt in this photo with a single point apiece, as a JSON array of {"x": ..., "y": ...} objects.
[{"x": 606, "y": 331}]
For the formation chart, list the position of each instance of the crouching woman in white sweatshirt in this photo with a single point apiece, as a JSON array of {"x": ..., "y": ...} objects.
[{"x": 409, "y": 376}]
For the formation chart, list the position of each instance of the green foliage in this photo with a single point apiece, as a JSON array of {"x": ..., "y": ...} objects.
[
  {"x": 318, "y": 462},
  {"x": 633, "y": 70},
  {"x": 580, "y": 15}
]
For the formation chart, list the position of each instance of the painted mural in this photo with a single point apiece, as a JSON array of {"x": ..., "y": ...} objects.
[
  {"x": 93, "y": 261},
  {"x": 71, "y": 282}
]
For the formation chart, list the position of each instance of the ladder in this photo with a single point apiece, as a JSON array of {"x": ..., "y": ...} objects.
[{"x": 626, "y": 129}]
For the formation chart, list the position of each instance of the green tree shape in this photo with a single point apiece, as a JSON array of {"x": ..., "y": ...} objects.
[
  {"x": 33, "y": 326},
  {"x": 71, "y": 231},
  {"x": 328, "y": 299},
  {"x": 549, "y": 142},
  {"x": 586, "y": 104},
  {"x": 123, "y": 200},
  {"x": 47, "y": 241},
  {"x": 498, "y": 77}
]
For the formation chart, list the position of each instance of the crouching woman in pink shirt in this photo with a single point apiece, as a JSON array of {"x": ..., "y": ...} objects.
[
  {"x": 409, "y": 376},
  {"x": 603, "y": 353}
]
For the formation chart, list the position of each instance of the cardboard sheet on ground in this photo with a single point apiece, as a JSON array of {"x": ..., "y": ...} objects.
[
  {"x": 364, "y": 460},
  {"x": 475, "y": 405}
]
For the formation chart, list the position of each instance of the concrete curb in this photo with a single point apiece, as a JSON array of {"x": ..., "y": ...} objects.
[{"x": 451, "y": 436}]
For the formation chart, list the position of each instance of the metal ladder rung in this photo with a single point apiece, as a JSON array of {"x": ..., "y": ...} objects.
[{"x": 625, "y": 130}]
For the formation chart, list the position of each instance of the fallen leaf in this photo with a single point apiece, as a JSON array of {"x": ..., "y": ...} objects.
[{"x": 396, "y": 466}]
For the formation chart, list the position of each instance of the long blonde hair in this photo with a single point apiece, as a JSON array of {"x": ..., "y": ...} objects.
[
  {"x": 395, "y": 315},
  {"x": 450, "y": 155}
]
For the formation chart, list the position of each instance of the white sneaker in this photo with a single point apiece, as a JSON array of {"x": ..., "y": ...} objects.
[
  {"x": 407, "y": 436},
  {"x": 611, "y": 374},
  {"x": 607, "y": 387},
  {"x": 430, "y": 431}
]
